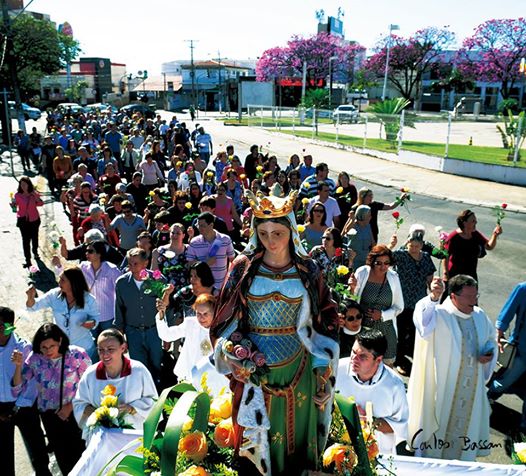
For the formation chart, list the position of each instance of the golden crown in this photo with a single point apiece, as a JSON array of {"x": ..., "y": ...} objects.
[{"x": 271, "y": 207}]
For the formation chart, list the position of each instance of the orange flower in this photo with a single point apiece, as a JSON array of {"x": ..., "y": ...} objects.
[
  {"x": 224, "y": 434},
  {"x": 221, "y": 408},
  {"x": 109, "y": 390},
  {"x": 195, "y": 471},
  {"x": 372, "y": 450},
  {"x": 193, "y": 446},
  {"x": 343, "y": 457}
]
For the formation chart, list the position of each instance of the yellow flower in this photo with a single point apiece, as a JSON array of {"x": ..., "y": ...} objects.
[
  {"x": 343, "y": 456},
  {"x": 188, "y": 205},
  {"x": 301, "y": 229},
  {"x": 259, "y": 168},
  {"x": 305, "y": 201},
  {"x": 151, "y": 193},
  {"x": 187, "y": 425},
  {"x": 109, "y": 390},
  {"x": 179, "y": 164},
  {"x": 339, "y": 190},
  {"x": 102, "y": 412},
  {"x": 195, "y": 471},
  {"x": 224, "y": 434},
  {"x": 11, "y": 195},
  {"x": 520, "y": 449},
  {"x": 221, "y": 408},
  {"x": 242, "y": 176},
  {"x": 342, "y": 270},
  {"x": 306, "y": 185},
  {"x": 109, "y": 401},
  {"x": 194, "y": 446}
]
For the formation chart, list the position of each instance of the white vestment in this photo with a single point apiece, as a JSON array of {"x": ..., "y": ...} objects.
[
  {"x": 386, "y": 392},
  {"x": 194, "y": 359},
  {"x": 136, "y": 389},
  {"x": 449, "y": 409}
]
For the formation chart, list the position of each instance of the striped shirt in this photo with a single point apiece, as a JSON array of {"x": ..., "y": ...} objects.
[
  {"x": 309, "y": 187},
  {"x": 199, "y": 250},
  {"x": 102, "y": 285}
]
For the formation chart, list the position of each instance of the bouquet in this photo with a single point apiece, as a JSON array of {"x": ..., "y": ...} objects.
[
  {"x": 12, "y": 202},
  {"x": 153, "y": 284},
  {"x": 108, "y": 414},
  {"x": 252, "y": 363},
  {"x": 500, "y": 212}
]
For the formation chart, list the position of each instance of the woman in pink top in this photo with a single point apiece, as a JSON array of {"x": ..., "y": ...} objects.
[
  {"x": 225, "y": 208},
  {"x": 27, "y": 217}
]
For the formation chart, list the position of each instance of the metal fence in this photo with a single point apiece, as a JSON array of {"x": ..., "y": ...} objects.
[{"x": 447, "y": 134}]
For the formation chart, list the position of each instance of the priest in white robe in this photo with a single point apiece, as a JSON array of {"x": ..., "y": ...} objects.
[
  {"x": 364, "y": 377},
  {"x": 455, "y": 354}
]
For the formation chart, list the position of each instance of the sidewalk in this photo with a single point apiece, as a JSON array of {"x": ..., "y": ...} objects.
[{"x": 377, "y": 171}]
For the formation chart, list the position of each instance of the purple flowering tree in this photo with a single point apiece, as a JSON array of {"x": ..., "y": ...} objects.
[
  {"x": 409, "y": 58},
  {"x": 493, "y": 53},
  {"x": 316, "y": 51}
]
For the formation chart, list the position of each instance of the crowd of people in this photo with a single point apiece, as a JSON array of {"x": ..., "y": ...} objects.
[{"x": 286, "y": 258}]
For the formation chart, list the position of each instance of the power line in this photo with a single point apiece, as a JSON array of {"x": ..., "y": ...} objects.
[{"x": 192, "y": 66}]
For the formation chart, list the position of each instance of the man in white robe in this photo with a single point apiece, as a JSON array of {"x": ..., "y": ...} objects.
[
  {"x": 455, "y": 353},
  {"x": 364, "y": 377}
]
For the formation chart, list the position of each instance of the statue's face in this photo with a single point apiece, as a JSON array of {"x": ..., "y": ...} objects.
[{"x": 273, "y": 236}]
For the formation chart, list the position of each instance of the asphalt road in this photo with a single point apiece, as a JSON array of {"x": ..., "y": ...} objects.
[{"x": 499, "y": 271}]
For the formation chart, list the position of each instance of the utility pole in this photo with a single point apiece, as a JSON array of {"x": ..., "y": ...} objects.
[
  {"x": 11, "y": 66},
  {"x": 220, "y": 95},
  {"x": 192, "y": 71}
]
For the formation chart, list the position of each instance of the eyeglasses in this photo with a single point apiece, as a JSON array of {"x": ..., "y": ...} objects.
[
  {"x": 382, "y": 263},
  {"x": 317, "y": 210},
  {"x": 354, "y": 318},
  {"x": 90, "y": 251},
  {"x": 327, "y": 238}
]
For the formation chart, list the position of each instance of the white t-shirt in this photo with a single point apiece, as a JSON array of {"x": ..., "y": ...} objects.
[{"x": 331, "y": 206}]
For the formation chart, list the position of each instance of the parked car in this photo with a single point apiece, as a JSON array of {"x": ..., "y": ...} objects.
[
  {"x": 345, "y": 113},
  {"x": 29, "y": 112},
  {"x": 72, "y": 106},
  {"x": 320, "y": 113},
  {"x": 146, "y": 111},
  {"x": 101, "y": 107}
]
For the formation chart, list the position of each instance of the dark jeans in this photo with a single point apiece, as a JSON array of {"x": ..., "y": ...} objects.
[
  {"x": 65, "y": 439},
  {"x": 24, "y": 156},
  {"x": 28, "y": 422},
  {"x": 145, "y": 346},
  {"x": 406, "y": 338},
  {"x": 29, "y": 232}
]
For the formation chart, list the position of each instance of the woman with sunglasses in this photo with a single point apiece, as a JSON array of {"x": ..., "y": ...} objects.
[
  {"x": 55, "y": 367},
  {"x": 380, "y": 295},
  {"x": 171, "y": 260},
  {"x": 74, "y": 309},
  {"x": 350, "y": 325},
  {"x": 329, "y": 254},
  {"x": 315, "y": 227}
]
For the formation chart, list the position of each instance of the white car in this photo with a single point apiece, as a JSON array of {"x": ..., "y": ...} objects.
[
  {"x": 345, "y": 113},
  {"x": 73, "y": 106}
]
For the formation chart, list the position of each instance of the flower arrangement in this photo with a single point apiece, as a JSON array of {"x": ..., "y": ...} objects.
[
  {"x": 252, "y": 363},
  {"x": 398, "y": 220},
  {"x": 186, "y": 433},
  {"x": 108, "y": 414},
  {"x": 153, "y": 284},
  {"x": 500, "y": 212}
]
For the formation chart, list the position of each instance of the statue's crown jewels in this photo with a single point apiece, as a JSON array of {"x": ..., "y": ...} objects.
[{"x": 271, "y": 207}]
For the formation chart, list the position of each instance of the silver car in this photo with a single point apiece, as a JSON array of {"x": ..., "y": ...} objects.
[
  {"x": 345, "y": 113},
  {"x": 29, "y": 112}
]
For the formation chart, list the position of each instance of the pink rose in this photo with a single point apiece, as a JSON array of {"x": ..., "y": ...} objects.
[
  {"x": 236, "y": 336},
  {"x": 156, "y": 274},
  {"x": 143, "y": 275},
  {"x": 259, "y": 359},
  {"x": 240, "y": 352}
]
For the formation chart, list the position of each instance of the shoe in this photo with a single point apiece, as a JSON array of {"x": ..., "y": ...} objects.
[{"x": 36, "y": 255}]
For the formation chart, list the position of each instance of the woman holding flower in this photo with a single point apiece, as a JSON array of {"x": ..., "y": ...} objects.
[
  {"x": 115, "y": 382},
  {"x": 171, "y": 260},
  {"x": 329, "y": 254},
  {"x": 275, "y": 303},
  {"x": 27, "y": 199},
  {"x": 346, "y": 193},
  {"x": 56, "y": 368},
  {"x": 360, "y": 235}
]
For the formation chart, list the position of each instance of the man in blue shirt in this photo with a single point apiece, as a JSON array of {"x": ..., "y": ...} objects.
[
  {"x": 18, "y": 411},
  {"x": 515, "y": 307},
  {"x": 114, "y": 140}
]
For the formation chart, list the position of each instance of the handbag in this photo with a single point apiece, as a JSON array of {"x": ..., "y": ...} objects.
[{"x": 507, "y": 356}]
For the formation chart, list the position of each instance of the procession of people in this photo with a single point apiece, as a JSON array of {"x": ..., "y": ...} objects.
[{"x": 284, "y": 258}]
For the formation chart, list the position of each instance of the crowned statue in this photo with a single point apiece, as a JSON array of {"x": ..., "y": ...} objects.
[{"x": 275, "y": 302}]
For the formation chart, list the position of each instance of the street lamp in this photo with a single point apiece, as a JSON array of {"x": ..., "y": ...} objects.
[
  {"x": 331, "y": 59},
  {"x": 391, "y": 28}
]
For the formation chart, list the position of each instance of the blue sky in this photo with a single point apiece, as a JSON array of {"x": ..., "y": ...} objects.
[{"x": 143, "y": 34}]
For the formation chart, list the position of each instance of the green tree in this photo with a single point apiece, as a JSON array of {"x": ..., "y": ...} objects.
[
  {"x": 76, "y": 91},
  {"x": 38, "y": 50},
  {"x": 317, "y": 99}
]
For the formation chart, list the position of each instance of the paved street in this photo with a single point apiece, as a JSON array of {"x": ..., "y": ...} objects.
[{"x": 437, "y": 198}]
